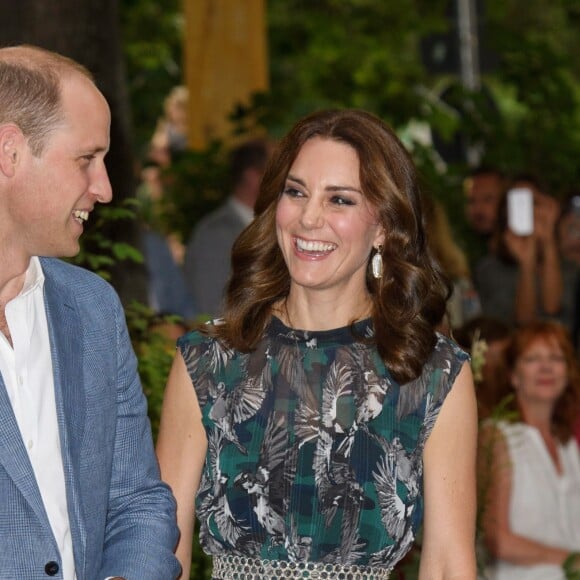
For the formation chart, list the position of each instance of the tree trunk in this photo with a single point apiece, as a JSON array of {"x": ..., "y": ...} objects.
[{"x": 89, "y": 32}]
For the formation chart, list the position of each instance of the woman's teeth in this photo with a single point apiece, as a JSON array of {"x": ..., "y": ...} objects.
[{"x": 307, "y": 246}]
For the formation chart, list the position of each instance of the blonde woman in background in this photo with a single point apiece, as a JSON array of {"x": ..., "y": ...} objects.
[
  {"x": 463, "y": 304},
  {"x": 170, "y": 135}
]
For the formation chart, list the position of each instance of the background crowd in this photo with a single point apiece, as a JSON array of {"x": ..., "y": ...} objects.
[
  {"x": 514, "y": 306},
  {"x": 515, "y": 303}
]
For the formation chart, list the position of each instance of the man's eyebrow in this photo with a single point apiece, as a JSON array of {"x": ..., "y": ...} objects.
[{"x": 93, "y": 150}]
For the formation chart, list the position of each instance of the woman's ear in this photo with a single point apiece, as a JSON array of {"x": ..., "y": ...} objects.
[
  {"x": 514, "y": 381},
  {"x": 380, "y": 238}
]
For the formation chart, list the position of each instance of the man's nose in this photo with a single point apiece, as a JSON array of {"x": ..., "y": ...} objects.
[{"x": 101, "y": 187}]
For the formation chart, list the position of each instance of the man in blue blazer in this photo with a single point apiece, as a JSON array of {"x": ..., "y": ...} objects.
[{"x": 80, "y": 494}]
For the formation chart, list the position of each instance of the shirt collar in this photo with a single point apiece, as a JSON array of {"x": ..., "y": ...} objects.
[
  {"x": 34, "y": 277},
  {"x": 246, "y": 213}
]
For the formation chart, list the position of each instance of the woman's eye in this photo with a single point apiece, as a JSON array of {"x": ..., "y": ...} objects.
[
  {"x": 341, "y": 200},
  {"x": 292, "y": 192}
]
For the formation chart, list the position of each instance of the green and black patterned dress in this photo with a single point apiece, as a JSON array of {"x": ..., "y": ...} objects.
[{"x": 314, "y": 451}]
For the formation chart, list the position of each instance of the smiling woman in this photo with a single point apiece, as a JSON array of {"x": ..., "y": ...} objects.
[
  {"x": 321, "y": 421},
  {"x": 326, "y": 232},
  {"x": 532, "y": 512},
  {"x": 407, "y": 302}
]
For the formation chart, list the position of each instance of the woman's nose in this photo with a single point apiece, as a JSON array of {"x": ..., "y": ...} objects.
[
  {"x": 546, "y": 363},
  {"x": 312, "y": 214}
]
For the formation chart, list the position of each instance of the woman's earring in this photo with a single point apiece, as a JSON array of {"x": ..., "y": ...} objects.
[{"x": 377, "y": 263}]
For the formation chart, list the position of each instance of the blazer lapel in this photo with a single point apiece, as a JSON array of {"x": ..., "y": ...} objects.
[
  {"x": 64, "y": 328},
  {"x": 14, "y": 457}
]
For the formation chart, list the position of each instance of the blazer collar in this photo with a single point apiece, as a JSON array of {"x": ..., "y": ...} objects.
[
  {"x": 14, "y": 457},
  {"x": 63, "y": 326},
  {"x": 66, "y": 343}
]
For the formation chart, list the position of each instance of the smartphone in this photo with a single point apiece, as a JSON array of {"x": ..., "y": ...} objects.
[{"x": 520, "y": 211}]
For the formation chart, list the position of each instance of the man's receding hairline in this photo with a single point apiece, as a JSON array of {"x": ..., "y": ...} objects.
[
  {"x": 37, "y": 58},
  {"x": 56, "y": 70}
]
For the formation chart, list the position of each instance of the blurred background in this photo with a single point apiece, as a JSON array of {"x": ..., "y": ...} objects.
[{"x": 465, "y": 83}]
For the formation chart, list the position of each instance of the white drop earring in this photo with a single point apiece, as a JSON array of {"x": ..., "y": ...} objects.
[{"x": 377, "y": 263}]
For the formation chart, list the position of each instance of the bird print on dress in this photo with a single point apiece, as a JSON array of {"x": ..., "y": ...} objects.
[
  {"x": 217, "y": 512},
  {"x": 314, "y": 451},
  {"x": 268, "y": 480},
  {"x": 233, "y": 407}
]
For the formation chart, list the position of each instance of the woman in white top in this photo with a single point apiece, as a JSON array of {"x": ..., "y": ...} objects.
[{"x": 531, "y": 468}]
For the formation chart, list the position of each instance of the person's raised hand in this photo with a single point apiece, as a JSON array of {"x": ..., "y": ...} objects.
[
  {"x": 522, "y": 248},
  {"x": 546, "y": 213}
]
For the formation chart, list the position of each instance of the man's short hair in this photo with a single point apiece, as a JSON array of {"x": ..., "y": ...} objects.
[
  {"x": 30, "y": 91},
  {"x": 252, "y": 154},
  {"x": 486, "y": 170}
]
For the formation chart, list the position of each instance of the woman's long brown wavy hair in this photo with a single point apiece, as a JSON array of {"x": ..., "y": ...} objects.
[
  {"x": 408, "y": 302},
  {"x": 568, "y": 405}
]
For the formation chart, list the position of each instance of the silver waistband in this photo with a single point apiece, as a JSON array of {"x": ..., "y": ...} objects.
[{"x": 242, "y": 568}]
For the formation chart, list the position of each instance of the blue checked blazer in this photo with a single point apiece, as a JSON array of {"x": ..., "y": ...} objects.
[{"x": 122, "y": 516}]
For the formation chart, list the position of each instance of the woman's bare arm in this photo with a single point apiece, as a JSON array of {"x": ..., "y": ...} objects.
[
  {"x": 450, "y": 489},
  {"x": 181, "y": 450}
]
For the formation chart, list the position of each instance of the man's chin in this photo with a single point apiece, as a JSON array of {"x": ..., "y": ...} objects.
[
  {"x": 484, "y": 232},
  {"x": 65, "y": 252}
]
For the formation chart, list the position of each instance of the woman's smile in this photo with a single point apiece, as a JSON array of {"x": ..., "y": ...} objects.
[
  {"x": 313, "y": 248},
  {"x": 326, "y": 228}
]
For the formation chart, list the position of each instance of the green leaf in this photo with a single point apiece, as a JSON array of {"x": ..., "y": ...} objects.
[{"x": 123, "y": 251}]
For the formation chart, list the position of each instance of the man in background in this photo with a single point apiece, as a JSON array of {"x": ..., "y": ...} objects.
[
  {"x": 80, "y": 494},
  {"x": 483, "y": 190},
  {"x": 207, "y": 256}
]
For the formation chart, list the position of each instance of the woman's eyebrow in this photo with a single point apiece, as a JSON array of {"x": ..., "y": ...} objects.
[{"x": 328, "y": 187}]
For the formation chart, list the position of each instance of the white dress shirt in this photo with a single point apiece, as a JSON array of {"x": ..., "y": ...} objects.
[
  {"x": 245, "y": 213},
  {"x": 26, "y": 368}
]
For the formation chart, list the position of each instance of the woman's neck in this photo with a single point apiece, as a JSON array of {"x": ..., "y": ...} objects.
[
  {"x": 538, "y": 416},
  {"x": 318, "y": 313}
]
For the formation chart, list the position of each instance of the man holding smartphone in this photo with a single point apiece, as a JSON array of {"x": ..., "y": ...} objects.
[{"x": 522, "y": 277}]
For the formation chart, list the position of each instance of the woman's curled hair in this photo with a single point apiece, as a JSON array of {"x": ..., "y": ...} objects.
[{"x": 408, "y": 302}]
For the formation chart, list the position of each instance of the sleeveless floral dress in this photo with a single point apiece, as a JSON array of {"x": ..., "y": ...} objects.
[{"x": 314, "y": 451}]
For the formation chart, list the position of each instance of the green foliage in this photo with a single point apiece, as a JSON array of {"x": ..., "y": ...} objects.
[
  {"x": 98, "y": 253},
  {"x": 571, "y": 566},
  {"x": 348, "y": 54},
  {"x": 196, "y": 183},
  {"x": 490, "y": 433},
  {"x": 537, "y": 88},
  {"x": 155, "y": 351},
  {"x": 365, "y": 54},
  {"x": 152, "y": 34}
]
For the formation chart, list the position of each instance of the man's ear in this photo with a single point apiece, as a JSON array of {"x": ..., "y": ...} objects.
[{"x": 12, "y": 142}]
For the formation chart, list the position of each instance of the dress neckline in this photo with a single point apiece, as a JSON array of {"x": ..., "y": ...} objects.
[{"x": 356, "y": 332}]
